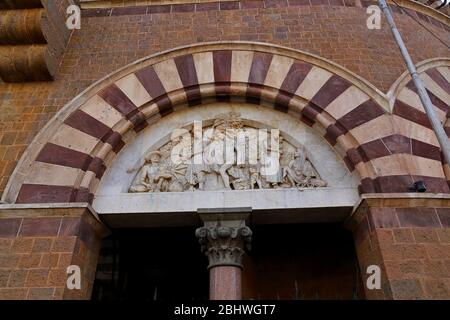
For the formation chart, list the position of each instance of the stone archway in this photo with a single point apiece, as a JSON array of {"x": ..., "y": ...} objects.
[
  {"x": 113, "y": 194},
  {"x": 68, "y": 158},
  {"x": 409, "y": 115},
  {"x": 64, "y": 165}
]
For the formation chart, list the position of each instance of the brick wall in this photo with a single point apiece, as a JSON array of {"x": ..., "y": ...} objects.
[
  {"x": 335, "y": 32},
  {"x": 55, "y": 31},
  {"x": 36, "y": 249},
  {"x": 411, "y": 244},
  {"x": 412, "y": 247}
]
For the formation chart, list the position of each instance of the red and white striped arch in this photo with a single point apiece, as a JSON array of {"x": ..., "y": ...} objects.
[
  {"x": 412, "y": 125},
  {"x": 69, "y": 156}
]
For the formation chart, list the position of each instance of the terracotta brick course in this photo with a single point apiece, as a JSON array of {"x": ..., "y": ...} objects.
[
  {"x": 42, "y": 244},
  {"x": 413, "y": 256},
  {"x": 403, "y": 235},
  {"x": 30, "y": 260},
  {"x": 13, "y": 294},
  {"x": 33, "y": 264},
  {"x": 425, "y": 235},
  {"x": 40, "y": 227},
  {"x": 22, "y": 245},
  {"x": 40, "y": 293},
  {"x": 34, "y": 41},
  {"x": 49, "y": 260},
  {"x": 4, "y": 276},
  {"x": 436, "y": 289}
]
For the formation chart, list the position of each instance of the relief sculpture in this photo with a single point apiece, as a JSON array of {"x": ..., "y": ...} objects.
[{"x": 220, "y": 165}]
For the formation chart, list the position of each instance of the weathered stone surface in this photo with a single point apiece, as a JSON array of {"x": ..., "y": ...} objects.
[
  {"x": 35, "y": 265},
  {"x": 224, "y": 245},
  {"x": 33, "y": 37},
  {"x": 411, "y": 255}
]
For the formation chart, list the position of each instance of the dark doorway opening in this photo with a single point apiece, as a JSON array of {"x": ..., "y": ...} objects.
[
  {"x": 288, "y": 261},
  {"x": 302, "y": 261},
  {"x": 151, "y": 264}
]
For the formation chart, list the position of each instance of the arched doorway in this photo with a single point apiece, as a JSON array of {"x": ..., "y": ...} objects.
[
  {"x": 80, "y": 154},
  {"x": 95, "y": 126},
  {"x": 135, "y": 204}
]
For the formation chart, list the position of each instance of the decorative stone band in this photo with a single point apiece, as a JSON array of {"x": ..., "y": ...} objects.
[
  {"x": 410, "y": 202},
  {"x": 411, "y": 121},
  {"x": 33, "y": 38},
  {"x": 224, "y": 245},
  {"x": 40, "y": 242},
  {"x": 67, "y": 160},
  {"x": 101, "y": 8},
  {"x": 24, "y": 26},
  {"x": 20, "y": 63},
  {"x": 13, "y": 4},
  {"x": 23, "y": 48}
]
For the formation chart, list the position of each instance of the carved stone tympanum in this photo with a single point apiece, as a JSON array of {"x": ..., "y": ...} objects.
[{"x": 229, "y": 155}]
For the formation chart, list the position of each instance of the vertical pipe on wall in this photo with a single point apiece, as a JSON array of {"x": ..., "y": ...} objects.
[{"x": 424, "y": 98}]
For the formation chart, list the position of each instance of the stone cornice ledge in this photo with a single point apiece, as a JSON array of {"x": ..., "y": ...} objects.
[
  {"x": 44, "y": 209},
  {"x": 395, "y": 200},
  {"x": 103, "y": 4},
  {"x": 133, "y": 3}
]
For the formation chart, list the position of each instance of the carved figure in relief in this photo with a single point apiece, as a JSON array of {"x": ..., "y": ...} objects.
[
  {"x": 240, "y": 175},
  {"x": 255, "y": 177},
  {"x": 220, "y": 152},
  {"x": 300, "y": 172},
  {"x": 151, "y": 177},
  {"x": 271, "y": 170},
  {"x": 196, "y": 175},
  {"x": 215, "y": 155}
]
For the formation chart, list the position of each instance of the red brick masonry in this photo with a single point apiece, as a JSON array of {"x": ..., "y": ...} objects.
[
  {"x": 412, "y": 247},
  {"x": 37, "y": 247}
]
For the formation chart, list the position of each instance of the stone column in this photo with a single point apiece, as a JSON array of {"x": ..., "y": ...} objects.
[{"x": 224, "y": 239}]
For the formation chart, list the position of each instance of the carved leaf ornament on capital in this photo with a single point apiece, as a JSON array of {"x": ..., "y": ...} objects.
[{"x": 224, "y": 245}]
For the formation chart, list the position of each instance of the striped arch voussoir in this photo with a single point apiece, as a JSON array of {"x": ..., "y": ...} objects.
[
  {"x": 409, "y": 115},
  {"x": 67, "y": 160}
]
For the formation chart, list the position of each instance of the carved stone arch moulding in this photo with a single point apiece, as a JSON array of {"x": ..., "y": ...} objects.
[
  {"x": 67, "y": 159},
  {"x": 408, "y": 114}
]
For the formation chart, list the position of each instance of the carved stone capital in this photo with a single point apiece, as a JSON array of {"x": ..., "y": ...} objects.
[{"x": 223, "y": 244}]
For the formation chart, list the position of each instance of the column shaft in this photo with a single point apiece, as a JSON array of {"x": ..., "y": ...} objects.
[
  {"x": 224, "y": 239},
  {"x": 225, "y": 283}
]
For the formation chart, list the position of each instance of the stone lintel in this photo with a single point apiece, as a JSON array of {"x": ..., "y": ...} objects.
[
  {"x": 395, "y": 200},
  {"x": 227, "y": 216},
  {"x": 54, "y": 210}
]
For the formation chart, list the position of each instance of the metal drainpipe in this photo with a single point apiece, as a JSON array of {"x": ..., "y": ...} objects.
[{"x": 424, "y": 98}]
